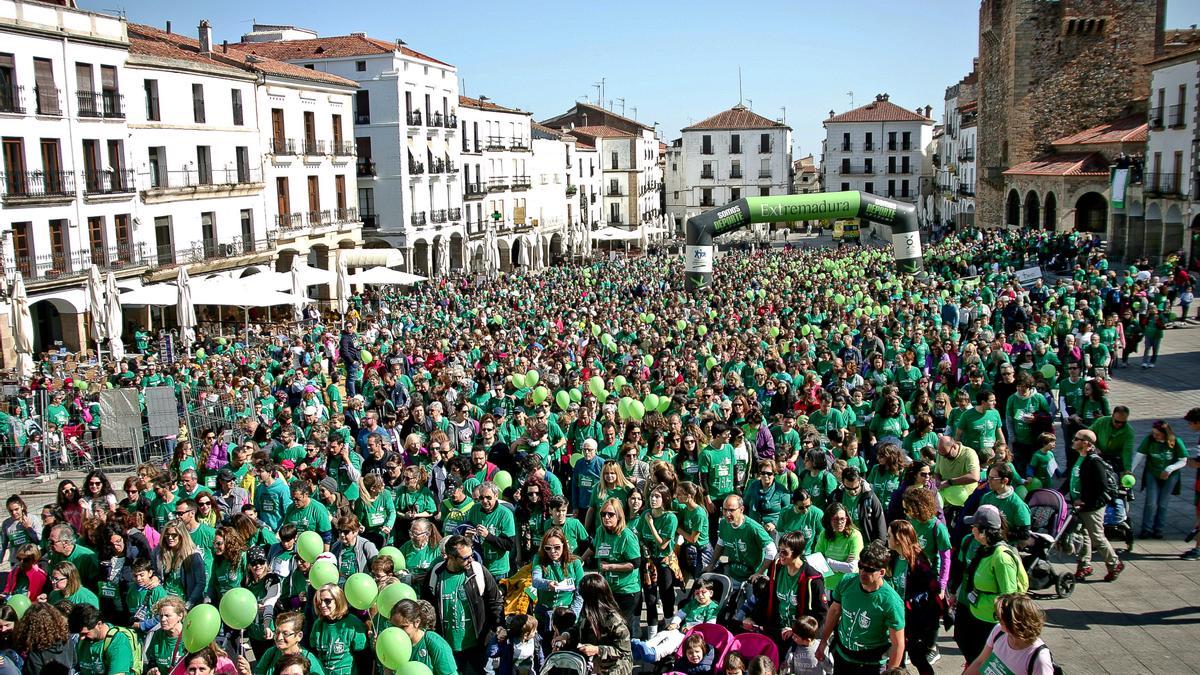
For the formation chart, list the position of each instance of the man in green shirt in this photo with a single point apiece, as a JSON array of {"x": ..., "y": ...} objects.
[
  {"x": 1022, "y": 410},
  {"x": 868, "y": 615},
  {"x": 717, "y": 464},
  {"x": 495, "y": 526},
  {"x": 747, "y": 543},
  {"x": 307, "y": 513},
  {"x": 957, "y": 471},
  {"x": 63, "y": 547},
  {"x": 103, "y": 649},
  {"x": 467, "y": 601},
  {"x": 981, "y": 427},
  {"x": 1114, "y": 440}
]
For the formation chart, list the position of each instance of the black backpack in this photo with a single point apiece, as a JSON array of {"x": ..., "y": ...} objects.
[
  {"x": 1109, "y": 479},
  {"x": 1054, "y": 667}
]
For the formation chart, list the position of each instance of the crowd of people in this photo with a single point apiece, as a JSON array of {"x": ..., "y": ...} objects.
[{"x": 590, "y": 460}]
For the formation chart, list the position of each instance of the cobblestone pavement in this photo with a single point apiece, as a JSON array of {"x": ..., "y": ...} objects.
[{"x": 1149, "y": 620}]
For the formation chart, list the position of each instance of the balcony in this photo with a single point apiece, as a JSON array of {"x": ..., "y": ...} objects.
[
  {"x": 414, "y": 118},
  {"x": 284, "y": 147},
  {"x": 435, "y": 119},
  {"x": 370, "y": 221},
  {"x": 313, "y": 147},
  {"x": 846, "y": 147},
  {"x": 289, "y": 223},
  {"x": 437, "y": 216},
  {"x": 966, "y": 155},
  {"x": 105, "y": 104},
  {"x": 614, "y": 192},
  {"x": 706, "y": 174},
  {"x": 12, "y": 100},
  {"x": 521, "y": 183},
  {"x": 317, "y": 219},
  {"x": 345, "y": 215},
  {"x": 869, "y": 146},
  {"x": 765, "y": 149},
  {"x": 856, "y": 170},
  {"x": 966, "y": 190},
  {"x": 706, "y": 150},
  {"x": 165, "y": 186},
  {"x": 108, "y": 182},
  {"x": 415, "y": 168},
  {"x": 417, "y": 219},
  {"x": 764, "y": 173},
  {"x": 495, "y": 143},
  {"x": 1162, "y": 184},
  {"x": 212, "y": 249},
  {"x": 498, "y": 184},
  {"x": 365, "y": 168},
  {"x": 343, "y": 148},
  {"x": 1175, "y": 118},
  {"x": 454, "y": 214},
  {"x": 571, "y": 190},
  {"x": 437, "y": 165},
  {"x": 451, "y": 121},
  {"x": 451, "y": 167},
  {"x": 1156, "y": 118},
  {"x": 899, "y": 170},
  {"x": 362, "y": 118},
  {"x": 735, "y": 174},
  {"x": 474, "y": 190},
  {"x": 519, "y": 144},
  {"x": 47, "y": 101},
  {"x": 55, "y": 266},
  {"x": 34, "y": 186}
]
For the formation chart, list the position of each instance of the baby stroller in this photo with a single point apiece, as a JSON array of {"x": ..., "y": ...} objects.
[
  {"x": 1050, "y": 523},
  {"x": 565, "y": 663},
  {"x": 1116, "y": 518},
  {"x": 751, "y": 645}
]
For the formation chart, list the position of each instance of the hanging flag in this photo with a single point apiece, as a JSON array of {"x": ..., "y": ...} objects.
[{"x": 1120, "y": 178}]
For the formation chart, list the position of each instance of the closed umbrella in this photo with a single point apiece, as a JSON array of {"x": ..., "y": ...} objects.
[
  {"x": 22, "y": 328},
  {"x": 97, "y": 308},
  {"x": 343, "y": 290},
  {"x": 113, "y": 316},
  {"x": 185, "y": 311},
  {"x": 297, "y": 288}
]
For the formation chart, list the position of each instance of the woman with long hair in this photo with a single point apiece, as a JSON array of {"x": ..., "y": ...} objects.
[
  {"x": 656, "y": 531},
  {"x": 618, "y": 556},
  {"x": 68, "y": 503},
  {"x": 335, "y": 625},
  {"x": 65, "y": 584},
  {"x": 229, "y": 562},
  {"x": 601, "y": 635},
  {"x": 414, "y": 500},
  {"x": 556, "y": 575},
  {"x": 182, "y": 564},
  {"x": 917, "y": 583},
  {"x": 1163, "y": 454},
  {"x": 840, "y": 542},
  {"x": 376, "y": 508},
  {"x": 696, "y": 549},
  {"x": 165, "y": 647},
  {"x": 98, "y": 494},
  {"x": 43, "y": 637},
  {"x": 612, "y": 485}
]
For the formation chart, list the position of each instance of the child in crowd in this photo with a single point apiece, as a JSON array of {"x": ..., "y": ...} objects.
[
  {"x": 1042, "y": 465},
  {"x": 699, "y": 609},
  {"x": 802, "y": 656},
  {"x": 515, "y": 650},
  {"x": 735, "y": 664},
  {"x": 697, "y": 658},
  {"x": 762, "y": 665}
]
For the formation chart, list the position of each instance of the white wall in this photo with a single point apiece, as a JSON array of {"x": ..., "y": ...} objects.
[
  {"x": 920, "y": 135},
  {"x": 1164, "y": 142},
  {"x": 724, "y": 188}
]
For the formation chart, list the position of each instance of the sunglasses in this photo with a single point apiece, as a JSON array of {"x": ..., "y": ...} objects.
[
  {"x": 867, "y": 569},
  {"x": 608, "y": 514}
]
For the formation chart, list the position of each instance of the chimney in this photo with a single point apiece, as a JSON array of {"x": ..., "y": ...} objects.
[
  {"x": 224, "y": 46},
  {"x": 928, "y": 110},
  {"x": 205, "y": 37},
  {"x": 168, "y": 25}
]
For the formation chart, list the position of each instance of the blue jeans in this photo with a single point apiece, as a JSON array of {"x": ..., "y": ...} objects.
[
  {"x": 1150, "y": 351},
  {"x": 1158, "y": 493}
]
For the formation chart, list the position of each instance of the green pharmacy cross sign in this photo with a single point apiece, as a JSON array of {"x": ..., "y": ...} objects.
[
  {"x": 496, "y": 215},
  {"x": 900, "y": 217}
]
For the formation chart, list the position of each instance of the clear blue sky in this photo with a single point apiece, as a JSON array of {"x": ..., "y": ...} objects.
[{"x": 675, "y": 62}]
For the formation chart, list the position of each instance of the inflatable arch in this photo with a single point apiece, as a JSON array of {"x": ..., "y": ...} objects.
[{"x": 701, "y": 229}]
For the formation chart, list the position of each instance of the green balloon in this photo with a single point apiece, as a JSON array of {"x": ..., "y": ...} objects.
[
  {"x": 1048, "y": 371},
  {"x": 636, "y": 410},
  {"x": 518, "y": 380},
  {"x": 393, "y": 647},
  {"x": 322, "y": 573},
  {"x": 648, "y": 360},
  {"x": 540, "y": 395},
  {"x": 577, "y": 395},
  {"x": 623, "y": 407},
  {"x": 387, "y": 599},
  {"x": 1128, "y": 481},
  {"x": 201, "y": 626},
  {"x": 360, "y": 589},
  {"x": 407, "y": 592},
  {"x": 397, "y": 557},
  {"x": 702, "y": 330},
  {"x": 595, "y": 330},
  {"x": 239, "y": 608},
  {"x": 575, "y": 458},
  {"x": 1021, "y": 491},
  {"x": 19, "y": 602},
  {"x": 413, "y": 668},
  {"x": 596, "y": 385},
  {"x": 563, "y": 399},
  {"x": 502, "y": 479},
  {"x": 650, "y": 402},
  {"x": 531, "y": 378},
  {"x": 309, "y": 545},
  {"x": 774, "y": 331},
  {"x": 664, "y": 403},
  {"x": 1032, "y": 484},
  {"x": 710, "y": 362},
  {"x": 619, "y": 382},
  {"x": 681, "y": 325},
  {"x": 606, "y": 338}
]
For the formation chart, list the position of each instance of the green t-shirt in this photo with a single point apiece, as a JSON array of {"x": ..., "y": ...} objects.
[
  {"x": 1020, "y": 410},
  {"x": 664, "y": 525},
  {"x": 966, "y": 462},
  {"x": 571, "y": 527},
  {"x": 694, "y": 613},
  {"x": 841, "y": 549},
  {"x": 1016, "y": 512},
  {"x": 979, "y": 428},
  {"x": 419, "y": 560},
  {"x": 695, "y": 520},
  {"x": 1159, "y": 455},
  {"x": 934, "y": 538},
  {"x": 265, "y": 665},
  {"x": 996, "y": 575},
  {"x": 113, "y": 654},
  {"x": 500, "y": 523},
  {"x": 313, "y": 517},
  {"x": 457, "y": 626},
  {"x": 164, "y": 651},
  {"x": 807, "y": 522},
  {"x": 381, "y": 512},
  {"x": 453, "y": 514},
  {"x": 336, "y": 642},
  {"x": 826, "y": 422},
  {"x": 819, "y": 487},
  {"x": 745, "y": 545},
  {"x": 618, "y": 548},
  {"x": 867, "y": 619},
  {"x": 433, "y": 650},
  {"x": 83, "y": 596},
  {"x": 556, "y": 572},
  {"x": 717, "y": 466}
]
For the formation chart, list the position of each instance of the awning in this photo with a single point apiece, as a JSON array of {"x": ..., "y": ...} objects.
[
  {"x": 615, "y": 234},
  {"x": 371, "y": 257},
  {"x": 159, "y": 295},
  {"x": 384, "y": 276},
  {"x": 76, "y": 297}
]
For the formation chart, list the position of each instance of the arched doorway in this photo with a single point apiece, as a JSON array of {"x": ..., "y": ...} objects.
[
  {"x": 456, "y": 252},
  {"x": 505, "y": 254},
  {"x": 1091, "y": 214},
  {"x": 283, "y": 259},
  {"x": 518, "y": 254},
  {"x": 47, "y": 324},
  {"x": 968, "y": 217},
  {"x": 1033, "y": 211},
  {"x": 478, "y": 261},
  {"x": 1013, "y": 211},
  {"x": 1050, "y": 206},
  {"x": 1172, "y": 231},
  {"x": 556, "y": 248},
  {"x": 421, "y": 258},
  {"x": 1194, "y": 245}
]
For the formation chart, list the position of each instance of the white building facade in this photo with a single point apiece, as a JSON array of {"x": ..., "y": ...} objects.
[
  {"x": 955, "y": 171},
  {"x": 734, "y": 154},
  {"x": 675, "y": 186},
  {"x": 877, "y": 148},
  {"x": 406, "y": 132}
]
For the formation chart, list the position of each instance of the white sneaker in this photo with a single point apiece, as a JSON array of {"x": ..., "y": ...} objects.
[{"x": 1151, "y": 365}]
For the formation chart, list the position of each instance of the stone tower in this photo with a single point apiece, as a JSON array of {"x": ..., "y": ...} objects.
[{"x": 1048, "y": 68}]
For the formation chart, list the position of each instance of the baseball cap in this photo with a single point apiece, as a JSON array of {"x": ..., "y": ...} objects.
[
  {"x": 453, "y": 483},
  {"x": 256, "y": 556},
  {"x": 226, "y": 475},
  {"x": 987, "y": 517},
  {"x": 288, "y": 464}
]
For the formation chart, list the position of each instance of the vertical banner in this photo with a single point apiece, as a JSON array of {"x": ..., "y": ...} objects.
[
  {"x": 1120, "y": 179},
  {"x": 120, "y": 417}
]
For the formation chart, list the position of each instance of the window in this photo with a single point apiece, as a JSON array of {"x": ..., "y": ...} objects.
[
  {"x": 764, "y": 168},
  {"x": 616, "y": 162},
  {"x": 243, "y": 163},
  {"x": 204, "y": 165},
  {"x": 845, "y": 187},
  {"x": 868, "y": 143},
  {"x": 706, "y": 198},
  {"x": 362, "y": 107},
  {"x": 706, "y": 145},
  {"x": 23, "y": 247},
  {"x": 735, "y": 194},
  {"x": 869, "y": 188},
  {"x": 158, "y": 166},
  {"x": 904, "y": 188},
  {"x": 238, "y": 119},
  {"x": 735, "y": 168},
  {"x": 283, "y": 200},
  {"x": 110, "y": 93},
  {"x": 208, "y": 233},
  {"x": 91, "y": 165},
  {"x": 846, "y": 142},
  {"x": 96, "y": 239},
  {"x": 904, "y": 164},
  {"x": 764, "y": 143},
  {"x": 44, "y": 89},
  {"x": 846, "y": 165},
  {"x": 337, "y": 134},
  {"x": 314, "y": 197},
  {"x": 706, "y": 171},
  {"x": 121, "y": 227},
  {"x": 735, "y": 144},
  {"x": 360, "y": 66},
  {"x": 152, "y": 110},
  {"x": 764, "y": 192},
  {"x": 891, "y": 140},
  {"x": 339, "y": 189},
  {"x": 868, "y": 166},
  {"x": 198, "y": 103},
  {"x": 614, "y": 213},
  {"x": 891, "y": 188},
  {"x": 52, "y": 166},
  {"x": 310, "y": 133},
  {"x": 163, "y": 241},
  {"x": 906, "y": 140},
  {"x": 278, "y": 131},
  {"x": 9, "y": 100},
  {"x": 247, "y": 221},
  {"x": 58, "y": 244}
]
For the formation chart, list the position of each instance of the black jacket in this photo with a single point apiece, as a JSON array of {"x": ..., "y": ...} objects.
[
  {"x": 484, "y": 599},
  {"x": 871, "y": 519},
  {"x": 761, "y": 604},
  {"x": 1091, "y": 483}
]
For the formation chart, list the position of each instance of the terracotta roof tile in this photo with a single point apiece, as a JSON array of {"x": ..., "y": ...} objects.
[
  {"x": 468, "y": 102},
  {"x": 542, "y": 129},
  {"x": 332, "y": 47},
  {"x": 151, "y": 41},
  {"x": 737, "y": 117},
  {"x": 1063, "y": 164},
  {"x": 601, "y": 132},
  {"x": 879, "y": 111},
  {"x": 1132, "y": 129}
]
